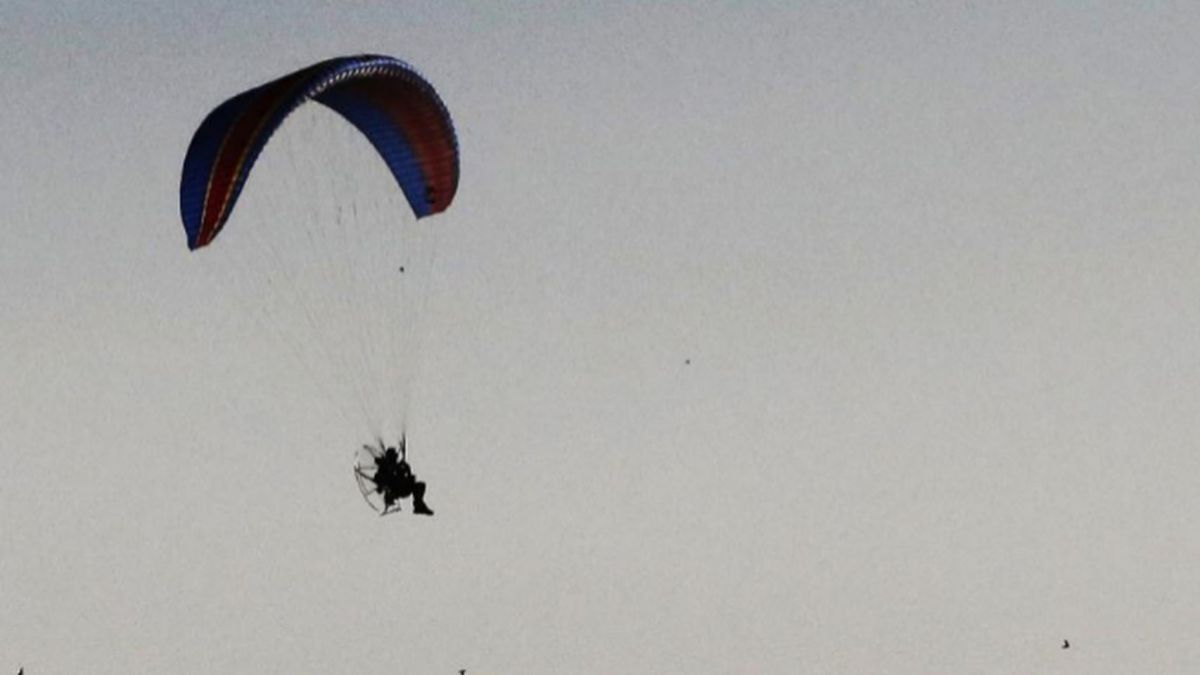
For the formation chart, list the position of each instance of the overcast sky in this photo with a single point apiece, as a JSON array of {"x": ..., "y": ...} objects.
[{"x": 933, "y": 264}]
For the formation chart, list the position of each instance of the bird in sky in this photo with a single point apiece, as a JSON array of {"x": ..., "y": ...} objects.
[{"x": 1066, "y": 644}]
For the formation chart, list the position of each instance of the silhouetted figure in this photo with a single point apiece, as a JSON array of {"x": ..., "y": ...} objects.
[
  {"x": 394, "y": 480},
  {"x": 1066, "y": 644}
]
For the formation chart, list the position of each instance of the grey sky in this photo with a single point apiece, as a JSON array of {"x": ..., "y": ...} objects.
[{"x": 934, "y": 265}]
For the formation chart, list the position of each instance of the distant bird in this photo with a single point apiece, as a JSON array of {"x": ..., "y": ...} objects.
[
  {"x": 687, "y": 362},
  {"x": 1066, "y": 644},
  {"x": 462, "y": 671}
]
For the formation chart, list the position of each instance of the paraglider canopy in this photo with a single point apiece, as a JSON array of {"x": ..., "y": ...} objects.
[{"x": 383, "y": 97}]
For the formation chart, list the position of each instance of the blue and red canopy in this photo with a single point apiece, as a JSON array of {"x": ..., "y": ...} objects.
[{"x": 392, "y": 105}]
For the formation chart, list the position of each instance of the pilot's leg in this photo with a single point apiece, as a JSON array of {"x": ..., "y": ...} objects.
[{"x": 419, "y": 505}]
